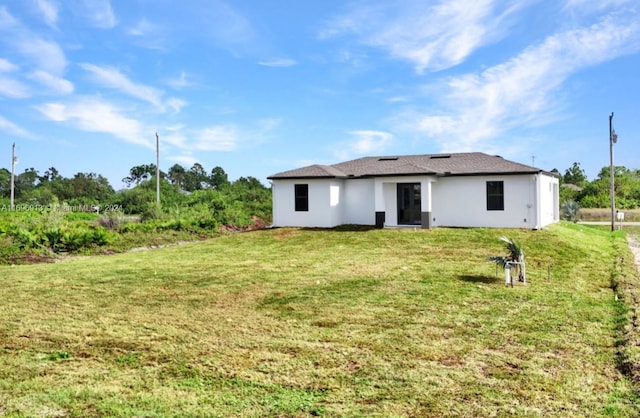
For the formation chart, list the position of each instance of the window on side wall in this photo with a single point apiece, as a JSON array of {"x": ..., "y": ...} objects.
[
  {"x": 495, "y": 195},
  {"x": 302, "y": 197}
]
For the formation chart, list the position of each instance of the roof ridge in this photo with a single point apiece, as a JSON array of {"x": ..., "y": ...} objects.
[{"x": 455, "y": 164}]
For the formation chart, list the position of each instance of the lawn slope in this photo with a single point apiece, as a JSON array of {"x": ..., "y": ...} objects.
[{"x": 344, "y": 322}]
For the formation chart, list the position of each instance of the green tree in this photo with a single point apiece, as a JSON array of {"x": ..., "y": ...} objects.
[
  {"x": 196, "y": 178},
  {"x": 50, "y": 175},
  {"x": 25, "y": 182},
  {"x": 596, "y": 194},
  {"x": 91, "y": 188},
  {"x": 5, "y": 182},
  {"x": 140, "y": 173},
  {"x": 575, "y": 175},
  {"x": 176, "y": 175},
  {"x": 218, "y": 178}
]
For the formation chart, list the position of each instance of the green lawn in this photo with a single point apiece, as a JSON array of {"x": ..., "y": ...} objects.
[{"x": 345, "y": 322}]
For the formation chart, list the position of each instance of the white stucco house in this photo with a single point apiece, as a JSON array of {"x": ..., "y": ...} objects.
[{"x": 437, "y": 190}]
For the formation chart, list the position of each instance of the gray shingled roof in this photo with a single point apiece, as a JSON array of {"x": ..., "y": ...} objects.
[{"x": 458, "y": 164}]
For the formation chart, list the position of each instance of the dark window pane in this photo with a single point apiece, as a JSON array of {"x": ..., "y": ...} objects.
[
  {"x": 302, "y": 197},
  {"x": 495, "y": 195}
]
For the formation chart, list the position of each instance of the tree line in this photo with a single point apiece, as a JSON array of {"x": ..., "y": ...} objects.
[
  {"x": 181, "y": 188},
  {"x": 575, "y": 187}
]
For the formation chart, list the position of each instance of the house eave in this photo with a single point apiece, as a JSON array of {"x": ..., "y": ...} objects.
[
  {"x": 302, "y": 177},
  {"x": 490, "y": 173},
  {"x": 445, "y": 174}
]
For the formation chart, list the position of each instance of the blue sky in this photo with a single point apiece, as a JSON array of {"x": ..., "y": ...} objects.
[{"x": 259, "y": 87}]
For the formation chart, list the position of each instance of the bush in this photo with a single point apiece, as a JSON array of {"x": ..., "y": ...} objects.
[
  {"x": 570, "y": 210},
  {"x": 112, "y": 221},
  {"x": 76, "y": 239},
  {"x": 9, "y": 250},
  {"x": 151, "y": 212},
  {"x": 54, "y": 238}
]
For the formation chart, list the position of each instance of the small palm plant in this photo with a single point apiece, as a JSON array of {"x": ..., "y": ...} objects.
[
  {"x": 570, "y": 210},
  {"x": 514, "y": 259}
]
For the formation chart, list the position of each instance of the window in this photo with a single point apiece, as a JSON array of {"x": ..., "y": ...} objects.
[
  {"x": 302, "y": 197},
  {"x": 495, "y": 195}
]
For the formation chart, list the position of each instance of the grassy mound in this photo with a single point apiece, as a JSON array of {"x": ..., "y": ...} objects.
[{"x": 343, "y": 322}]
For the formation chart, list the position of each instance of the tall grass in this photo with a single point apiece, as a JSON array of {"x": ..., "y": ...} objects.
[{"x": 344, "y": 322}]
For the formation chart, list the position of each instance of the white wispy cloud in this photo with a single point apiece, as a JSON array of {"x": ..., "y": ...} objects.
[
  {"x": 113, "y": 78},
  {"x": 181, "y": 81},
  {"x": 230, "y": 29},
  {"x": 595, "y": 5},
  {"x": 55, "y": 84},
  {"x": 397, "y": 99},
  {"x": 11, "y": 128},
  {"x": 142, "y": 28},
  {"x": 175, "y": 139},
  {"x": 478, "y": 107},
  {"x": 12, "y": 88},
  {"x": 149, "y": 35},
  {"x": 279, "y": 62},
  {"x": 7, "y": 21},
  {"x": 42, "y": 54},
  {"x": 185, "y": 159},
  {"x": 176, "y": 104},
  {"x": 267, "y": 125},
  {"x": 221, "y": 137},
  {"x": 216, "y": 138},
  {"x": 95, "y": 115},
  {"x": 48, "y": 10},
  {"x": 364, "y": 142},
  {"x": 432, "y": 37},
  {"x": 46, "y": 55},
  {"x": 97, "y": 13},
  {"x": 7, "y": 66}
]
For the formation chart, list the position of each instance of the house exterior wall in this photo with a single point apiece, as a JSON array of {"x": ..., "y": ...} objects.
[
  {"x": 462, "y": 202},
  {"x": 549, "y": 200},
  {"x": 359, "y": 207},
  {"x": 326, "y": 199},
  {"x": 530, "y": 201},
  {"x": 389, "y": 195}
]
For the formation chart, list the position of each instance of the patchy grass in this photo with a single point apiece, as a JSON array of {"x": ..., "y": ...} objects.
[{"x": 346, "y": 322}]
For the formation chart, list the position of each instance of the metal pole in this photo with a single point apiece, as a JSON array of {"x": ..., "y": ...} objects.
[
  {"x": 157, "y": 170},
  {"x": 611, "y": 178},
  {"x": 13, "y": 168}
]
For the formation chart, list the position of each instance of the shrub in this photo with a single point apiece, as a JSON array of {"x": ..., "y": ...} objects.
[
  {"x": 151, "y": 211},
  {"x": 112, "y": 221},
  {"x": 570, "y": 210},
  {"x": 80, "y": 216},
  {"x": 54, "y": 238},
  {"x": 9, "y": 250}
]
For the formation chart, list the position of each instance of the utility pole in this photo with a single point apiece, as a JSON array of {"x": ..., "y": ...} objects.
[
  {"x": 13, "y": 169},
  {"x": 613, "y": 138},
  {"x": 157, "y": 170}
]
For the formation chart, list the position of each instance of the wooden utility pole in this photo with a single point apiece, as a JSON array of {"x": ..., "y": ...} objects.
[
  {"x": 613, "y": 138},
  {"x": 157, "y": 170},
  {"x": 13, "y": 169}
]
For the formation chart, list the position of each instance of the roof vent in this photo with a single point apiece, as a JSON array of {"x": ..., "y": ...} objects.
[
  {"x": 388, "y": 159},
  {"x": 441, "y": 156}
]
